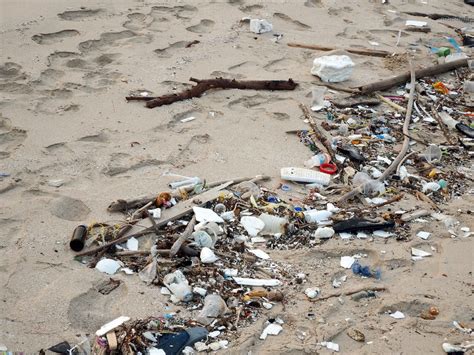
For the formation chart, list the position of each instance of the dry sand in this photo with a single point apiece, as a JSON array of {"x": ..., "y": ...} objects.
[{"x": 65, "y": 69}]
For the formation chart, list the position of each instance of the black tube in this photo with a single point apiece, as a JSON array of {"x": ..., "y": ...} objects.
[{"x": 78, "y": 238}]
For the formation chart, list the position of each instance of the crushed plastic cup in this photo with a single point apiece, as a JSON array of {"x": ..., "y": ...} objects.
[
  {"x": 369, "y": 185},
  {"x": 214, "y": 307},
  {"x": 177, "y": 283},
  {"x": 432, "y": 153},
  {"x": 318, "y": 102}
]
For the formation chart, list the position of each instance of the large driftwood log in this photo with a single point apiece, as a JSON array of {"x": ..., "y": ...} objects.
[
  {"x": 403, "y": 78},
  {"x": 361, "y": 51},
  {"x": 219, "y": 83}
]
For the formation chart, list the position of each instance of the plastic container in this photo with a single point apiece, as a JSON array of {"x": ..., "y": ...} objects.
[
  {"x": 273, "y": 224},
  {"x": 315, "y": 216},
  {"x": 177, "y": 283},
  {"x": 317, "y": 101},
  {"x": 448, "y": 120},
  {"x": 214, "y": 307},
  {"x": 317, "y": 160}
]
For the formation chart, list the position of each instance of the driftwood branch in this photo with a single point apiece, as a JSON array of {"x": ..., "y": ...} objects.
[
  {"x": 182, "y": 238},
  {"x": 405, "y": 146},
  {"x": 440, "y": 16},
  {"x": 317, "y": 136},
  {"x": 362, "y": 51},
  {"x": 403, "y": 78},
  {"x": 350, "y": 292},
  {"x": 442, "y": 126},
  {"x": 125, "y": 205},
  {"x": 219, "y": 83}
]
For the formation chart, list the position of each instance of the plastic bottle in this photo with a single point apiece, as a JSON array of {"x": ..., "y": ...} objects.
[
  {"x": 317, "y": 160},
  {"x": 315, "y": 216},
  {"x": 178, "y": 285},
  {"x": 214, "y": 306}
]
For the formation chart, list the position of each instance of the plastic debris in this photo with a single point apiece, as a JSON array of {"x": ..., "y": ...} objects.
[
  {"x": 330, "y": 345},
  {"x": 208, "y": 256},
  {"x": 271, "y": 329},
  {"x": 347, "y": 261},
  {"x": 259, "y": 254},
  {"x": 257, "y": 282},
  {"x": 252, "y": 225},
  {"x": 418, "y": 254},
  {"x": 397, "y": 315},
  {"x": 324, "y": 232},
  {"x": 423, "y": 235},
  {"x": 260, "y": 26},
  {"x": 108, "y": 266},
  {"x": 214, "y": 307},
  {"x": 111, "y": 325},
  {"x": 312, "y": 292},
  {"x": 206, "y": 215}
]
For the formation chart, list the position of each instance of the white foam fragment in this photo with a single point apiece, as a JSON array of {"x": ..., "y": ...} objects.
[
  {"x": 397, "y": 315},
  {"x": 423, "y": 235},
  {"x": 347, "y": 261},
  {"x": 271, "y": 329}
]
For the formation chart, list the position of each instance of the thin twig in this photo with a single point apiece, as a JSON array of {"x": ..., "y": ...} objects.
[{"x": 350, "y": 292}]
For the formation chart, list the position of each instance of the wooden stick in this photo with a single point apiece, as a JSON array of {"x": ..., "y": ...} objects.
[
  {"x": 182, "y": 238},
  {"x": 219, "y": 83},
  {"x": 442, "y": 126},
  {"x": 317, "y": 136},
  {"x": 405, "y": 146},
  {"x": 350, "y": 292},
  {"x": 392, "y": 200},
  {"x": 120, "y": 239},
  {"x": 420, "y": 73},
  {"x": 174, "y": 213},
  {"x": 362, "y": 51},
  {"x": 440, "y": 16},
  {"x": 337, "y": 87},
  {"x": 390, "y": 103},
  {"x": 125, "y": 205}
]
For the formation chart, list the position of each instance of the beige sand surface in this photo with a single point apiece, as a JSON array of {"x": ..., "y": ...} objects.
[{"x": 65, "y": 69}]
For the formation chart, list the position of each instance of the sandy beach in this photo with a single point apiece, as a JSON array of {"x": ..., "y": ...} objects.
[{"x": 70, "y": 144}]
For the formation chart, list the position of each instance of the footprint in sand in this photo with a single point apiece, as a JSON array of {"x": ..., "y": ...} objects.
[
  {"x": 250, "y": 9},
  {"x": 76, "y": 15},
  {"x": 70, "y": 209},
  {"x": 204, "y": 26},
  {"x": 11, "y": 138},
  {"x": 120, "y": 163},
  {"x": 167, "y": 52},
  {"x": 138, "y": 21},
  {"x": 106, "y": 59},
  {"x": 244, "y": 65},
  {"x": 107, "y": 39},
  {"x": 11, "y": 72},
  {"x": 226, "y": 75},
  {"x": 101, "y": 137},
  {"x": 184, "y": 11},
  {"x": 195, "y": 147},
  {"x": 86, "y": 311},
  {"x": 55, "y": 37},
  {"x": 313, "y": 3},
  {"x": 288, "y": 19},
  {"x": 281, "y": 64}
]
